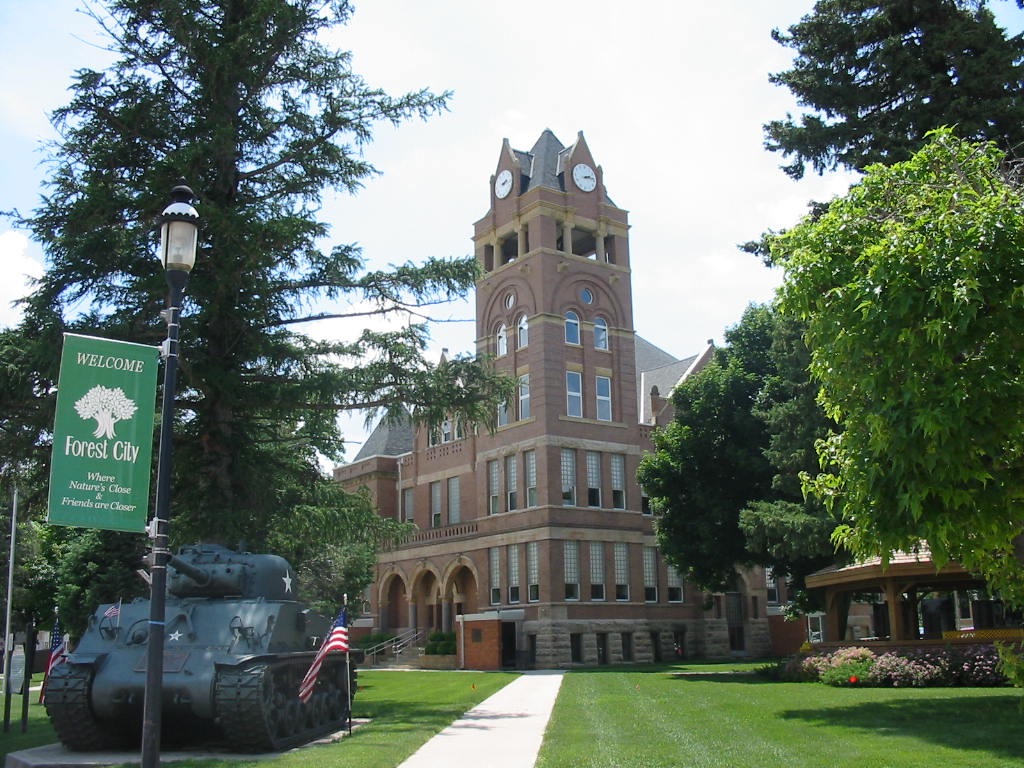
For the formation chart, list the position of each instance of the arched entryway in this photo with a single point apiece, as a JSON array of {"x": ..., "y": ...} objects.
[
  {"x": 424, "y": 605},
  {"x": 393, "y": 604},
  {"x": 460, "y": 593}
]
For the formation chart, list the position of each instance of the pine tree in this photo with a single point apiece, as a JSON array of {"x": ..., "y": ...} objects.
[
  {"x": 240, "y": 99},
  {"x": 879, "y": 74}
]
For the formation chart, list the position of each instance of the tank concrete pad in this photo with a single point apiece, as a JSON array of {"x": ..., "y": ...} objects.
[{"x": 58, "y": 756}]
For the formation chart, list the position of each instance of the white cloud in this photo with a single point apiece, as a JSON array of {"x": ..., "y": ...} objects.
[{"x": 19, "y": 269}]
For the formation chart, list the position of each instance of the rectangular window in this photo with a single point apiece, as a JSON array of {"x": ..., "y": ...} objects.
[
  {"x": 675, "y": 585},
  {"x": 533, "y": 570},
  {"x": 524, "y": 396},
  {"x": 503, "y": 415},
  {"x": 574, "y": 393},
  {"x": 597, "y": 570},
  {"x": 435, "y": 504},
  {"x": 454, "y": 501},
  {"x": 593, "y": 479},
  {"x": 513, "y": 573},
  {"x": 650, "y": 575},
  {"x": 572, "y": 570},
  {"x": 621, "y": 570},
  {"x": 771, "y": 583},
  {"x": 511, "y": 483},
  {"x": 576, "y": 648},
  {"x": 645, "y": 504},
  {"x": 530, "y": 465},
  {"x": 627, "y": 646},
  {"x": 493, "y": 500},
  {"x": 446, "y": 431},
  {"x": 604, "y": 398},
  {"x": 618, "y": 463},
  {"x": 408, "y": 513},
  {"x": 494, "y": 553},
  {"x": 568, "y": 477}
]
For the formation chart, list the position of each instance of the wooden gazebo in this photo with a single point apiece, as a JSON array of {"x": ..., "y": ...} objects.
[{"x": 900, "y": 584}]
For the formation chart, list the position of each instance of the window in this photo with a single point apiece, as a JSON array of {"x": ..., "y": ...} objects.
[
  {"x": 495, "y": 557},
  {"x": 572, "y": 328},
  {"x": 604, "y": 398},
  {"x": 513, "y": 573},
  {"x": 627, "y": 646},
  {"x": 533, "y": 571},
  {"x": 407, "y": 508},
  {"x": 596, "y": 570},
  {"x": 524, "y": 396},
  {"x": 523, "y": 327},
  {"x": 503, "y": 415},
  {"x": 511, "y": 484},
  {"x": 576, "y": 648},
  {"x": 435, "y": 504},
  {"x": 530, "y": 465},
  {"x": 621, "y": 570},
  {"x": 446, "y": 431},
  {"x": 618, "y": 462},
  {"x": 593, "y": 479},
  {"x": 493, "y": 507},
  {"x": 600, "y": 333},
  {"x": 568, "y": 477},
  {"x": 501, "y": 341},
  {"x": 645, "y": 503},
  {"x": 650, "y": 575},
  {"x": 771, "y": 582},
  {"x": 454, "y": 501},
  {"x": 572, "y": 570},
  {"x": 675, "y": 585},
  {"x": 587, "y": 296},
  {"x": 574, "y": 393}
]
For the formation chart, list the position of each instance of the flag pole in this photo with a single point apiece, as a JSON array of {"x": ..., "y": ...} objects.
[{"x": 348, "y": 664}]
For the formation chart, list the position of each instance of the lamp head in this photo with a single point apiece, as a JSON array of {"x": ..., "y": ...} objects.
[{"x": 179, "y": 231}]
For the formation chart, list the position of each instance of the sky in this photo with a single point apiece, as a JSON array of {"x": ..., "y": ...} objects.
[{"x": 671, "y": 96}]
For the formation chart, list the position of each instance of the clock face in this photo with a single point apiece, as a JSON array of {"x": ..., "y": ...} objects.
[
  {"x": 584, "y": 177},
  {"x": 503, "y": 184}
]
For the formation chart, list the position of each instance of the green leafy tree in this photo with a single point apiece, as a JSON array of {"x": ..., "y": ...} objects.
[
  {"x": 725, "y": 473},
  {"x": 709, "y": 461},
  {"x": 241, "y": 99},
  {"x": 912, "y": 288},
  {"x": 877, "y": 75}
]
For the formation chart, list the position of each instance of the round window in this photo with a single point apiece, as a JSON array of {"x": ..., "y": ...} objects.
[
  {"x": 510, "y": 299},
  {"x": 587, "y": 296}
]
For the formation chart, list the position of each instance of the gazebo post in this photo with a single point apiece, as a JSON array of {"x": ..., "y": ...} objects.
[{"x": 894, "y": 599}]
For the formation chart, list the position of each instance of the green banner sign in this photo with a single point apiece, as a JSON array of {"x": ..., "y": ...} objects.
[{"x": 103, "y": 434}]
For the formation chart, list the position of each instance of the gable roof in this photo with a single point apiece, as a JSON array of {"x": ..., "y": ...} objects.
[{"x": 391, "y": 437}]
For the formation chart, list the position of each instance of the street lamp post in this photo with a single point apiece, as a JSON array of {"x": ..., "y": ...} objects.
[{"x": 179, "y": 236}]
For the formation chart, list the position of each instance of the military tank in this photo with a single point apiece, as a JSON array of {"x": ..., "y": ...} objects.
[{"x": 236, "y": 646}]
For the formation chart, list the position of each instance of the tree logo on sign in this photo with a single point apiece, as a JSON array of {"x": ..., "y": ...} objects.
[{"x": 108, "y": 406}]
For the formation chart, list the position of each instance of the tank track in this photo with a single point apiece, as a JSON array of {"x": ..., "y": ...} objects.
[
  {"x": 67, "y": 704},
  {"x": 258, "y": 706}
]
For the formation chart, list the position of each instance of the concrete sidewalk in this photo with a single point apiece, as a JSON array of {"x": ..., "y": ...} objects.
[{"x": 504, "y": 731}]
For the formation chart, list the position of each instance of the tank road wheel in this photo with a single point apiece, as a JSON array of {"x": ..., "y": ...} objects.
[{"x": 67, "y": 703}]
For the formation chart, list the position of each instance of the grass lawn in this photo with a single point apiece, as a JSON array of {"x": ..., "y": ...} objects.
[
  {"x": 407, "y": 708},
  {"x": 645, "y": 717}
]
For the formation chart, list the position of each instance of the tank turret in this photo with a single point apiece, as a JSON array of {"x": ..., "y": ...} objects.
[{"x": 236, "y": 646}]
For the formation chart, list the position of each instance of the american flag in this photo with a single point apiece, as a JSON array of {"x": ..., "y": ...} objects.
[
  {"x": 58, "y": 655},
  {"x": 337, "y": 640},
  {"x": 113, "y": 611}
]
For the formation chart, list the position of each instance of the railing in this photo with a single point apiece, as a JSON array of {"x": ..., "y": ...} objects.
[
  {"x": 396, "y": 645},
  {"x": 984, "y": 634}
]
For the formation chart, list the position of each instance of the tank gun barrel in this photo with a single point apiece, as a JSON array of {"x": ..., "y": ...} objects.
[{"x": 199, "y": 575}]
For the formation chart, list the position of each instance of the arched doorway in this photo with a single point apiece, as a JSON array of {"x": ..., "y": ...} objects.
[
  {"x": 394, "y": 604},
  {"x": 424, "y": 608}
]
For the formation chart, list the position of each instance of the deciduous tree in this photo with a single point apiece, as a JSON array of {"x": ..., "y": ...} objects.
[{"x": 912, "y": 288}]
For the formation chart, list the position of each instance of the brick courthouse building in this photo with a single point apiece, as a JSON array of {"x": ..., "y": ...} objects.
[{"x": 540, "y": 530}]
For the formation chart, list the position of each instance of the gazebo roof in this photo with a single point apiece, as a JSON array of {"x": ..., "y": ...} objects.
[{"x": 913, "y": 567}]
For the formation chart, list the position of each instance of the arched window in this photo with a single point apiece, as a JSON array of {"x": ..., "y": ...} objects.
[
  {"x": 572, "y": 328},
  {"x": 501, "y": 342},
  {"x": 600, "y": 333},
  {"x": 524, "y": 332}
]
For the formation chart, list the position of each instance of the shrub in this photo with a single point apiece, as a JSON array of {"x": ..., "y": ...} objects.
[
  {"x": 902, "y": 672},
  {"x": 374, "y": 639},
  {"x": 848, "y": 674}
]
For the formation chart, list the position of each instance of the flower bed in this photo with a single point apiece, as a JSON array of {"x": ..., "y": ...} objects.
[{"x": 970, "y": 665}]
